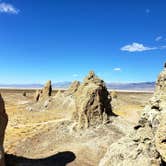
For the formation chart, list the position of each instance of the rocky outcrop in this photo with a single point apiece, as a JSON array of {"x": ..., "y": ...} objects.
[
  {"x": 73, "y": 88},
  {"x": 65, "y": 100},
  {"x": 135, "y": 149},
  {"x": 44, "y": 93},
  {"x": 146, "y": 143},
  {"x": 3, "y": 123},
  {"x": 160, "y": 136},
  {"x": 47, "y": 90},
  {"x": 37, "y": 95},
  {"x": 92, "y": 102},
  {"x": 88, "y": 102}
]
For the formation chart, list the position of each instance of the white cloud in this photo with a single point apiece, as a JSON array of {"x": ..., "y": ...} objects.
[
  {"x": 137, "y": 47},
  {"x": 75, "y": 75},
  {"x": 158, "y": 38},
  {"x": 8, "y": 8},
  {"x": 117, "y": 69}
]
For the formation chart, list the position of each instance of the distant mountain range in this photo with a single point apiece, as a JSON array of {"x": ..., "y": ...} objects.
[{"x": 140, "y": 86}]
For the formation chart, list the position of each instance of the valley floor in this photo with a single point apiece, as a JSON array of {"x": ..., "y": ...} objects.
[{"x": 47, "y": 138}]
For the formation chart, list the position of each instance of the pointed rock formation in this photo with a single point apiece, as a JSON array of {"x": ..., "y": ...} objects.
[
  {"x": 3, "y": 124},
  {"x": 88, "y": 102},
  {"x": 73, "y": 88},
  {"x": 146, "y": 143},
  {"x": 47, "y": 90},
  {"x": 44, "y": 93},
  {"x": 65, "y": 101},
  {"x": 37, "y": 95},
  {"x": 92, "y": 102}
]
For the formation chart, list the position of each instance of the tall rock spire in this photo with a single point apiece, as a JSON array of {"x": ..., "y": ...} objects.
[{"x": 93, "y": 103}]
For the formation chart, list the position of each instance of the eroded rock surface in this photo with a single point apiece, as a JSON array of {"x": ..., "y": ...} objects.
[
  {"x": 3, "y": 123},
  {"x": 160, "y": 137},
  {"x": 92, "y": 102},
  {"x": 44, "y": 93},
  {"x": 146, "y": 143},
  {"x": 73, "y": 88},
  {"x": 37, "y": 95}
]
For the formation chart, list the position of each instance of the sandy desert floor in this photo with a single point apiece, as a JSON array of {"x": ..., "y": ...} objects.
[{"x": 44, "y": 138}]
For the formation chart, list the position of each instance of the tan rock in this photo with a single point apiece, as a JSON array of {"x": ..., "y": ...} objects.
[
  {"x": 92, "y": 102},
  {"x": 47, "y": 90},
  {"x": 160, "y": 136},
  {"x": 135, "y": 149},
  {"x": 73, "y": 88},
  {"x": 146, "y": 143},
  {"x": 44, "y": 93},
  {"x": 3, "y": 124},
  {"x": 37, "y": 95}
]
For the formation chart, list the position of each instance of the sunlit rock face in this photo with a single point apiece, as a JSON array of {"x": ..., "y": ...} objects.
[
  {"x": 157, "y": 104},
  {"x": 44, "y": 93},
  {"x": 3, "y": 124},
  {"x": 92, "y": 102},
  {"x": 47, "y": 90},
  {"x": 73, "y": 88},
  {"x": 146, "y": 143}
]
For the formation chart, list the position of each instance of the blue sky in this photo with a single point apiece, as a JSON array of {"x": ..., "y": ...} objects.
[{"x": 61, "y": 40}]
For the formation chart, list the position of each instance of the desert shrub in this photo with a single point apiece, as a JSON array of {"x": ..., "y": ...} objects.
[{"x": 114, "y": 94}]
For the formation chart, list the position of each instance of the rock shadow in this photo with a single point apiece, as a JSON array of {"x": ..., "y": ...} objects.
[
  {"x": 59, "y": 159},
  {"x": 163, "y": 163}
]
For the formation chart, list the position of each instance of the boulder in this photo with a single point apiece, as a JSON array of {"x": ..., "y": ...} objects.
[{"x": 3, "y": 124}]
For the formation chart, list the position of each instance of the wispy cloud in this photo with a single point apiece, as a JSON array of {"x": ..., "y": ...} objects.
[
  {"x": 117, "y": 69},
  {"x": 158, "y": 38},
  {"x": 75, "y": 75},
  {"x": 137, "y": 47},
  {"x": 162, "y": 47},
  {"x": 8, "y": 8}
]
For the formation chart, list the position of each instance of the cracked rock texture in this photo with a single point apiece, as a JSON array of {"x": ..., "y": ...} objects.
[{"x": 145, "y": 144}]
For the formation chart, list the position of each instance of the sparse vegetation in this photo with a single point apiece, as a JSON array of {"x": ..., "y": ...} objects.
[
  {"x": 114, "y": 94},
  {"x": 26, "y": 125}
]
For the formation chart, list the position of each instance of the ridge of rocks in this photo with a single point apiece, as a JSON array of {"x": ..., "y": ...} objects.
[{"x": 145, "y": 144}]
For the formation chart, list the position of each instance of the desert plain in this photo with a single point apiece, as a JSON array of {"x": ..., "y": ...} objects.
[{"x": 43, "y": 137}]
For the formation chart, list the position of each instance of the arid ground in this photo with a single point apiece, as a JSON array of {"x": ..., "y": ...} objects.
[{"x": 39, "y": 135}]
